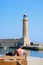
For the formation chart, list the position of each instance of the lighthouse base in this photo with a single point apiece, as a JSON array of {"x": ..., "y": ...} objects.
[{"x": 26, "y": 41}]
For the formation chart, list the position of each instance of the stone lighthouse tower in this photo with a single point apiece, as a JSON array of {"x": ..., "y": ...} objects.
[{"x": 26, "y": 40}]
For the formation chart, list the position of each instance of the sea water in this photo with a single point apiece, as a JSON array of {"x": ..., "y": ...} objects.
[
  {"x": 36, "y": 54},
  {"x": 32, "y": 53}
]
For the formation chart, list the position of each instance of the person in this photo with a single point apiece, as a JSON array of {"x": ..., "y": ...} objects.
[{"x": 20, "y": 51}]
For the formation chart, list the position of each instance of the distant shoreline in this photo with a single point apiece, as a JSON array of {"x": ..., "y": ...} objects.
[{"x": 38, "y": 48}]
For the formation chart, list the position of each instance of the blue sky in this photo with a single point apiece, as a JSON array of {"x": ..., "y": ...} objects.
[{"x": 11, "y": 15}]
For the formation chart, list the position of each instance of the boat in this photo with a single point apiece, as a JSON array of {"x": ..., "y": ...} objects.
[{"x": 13, "y": 60}]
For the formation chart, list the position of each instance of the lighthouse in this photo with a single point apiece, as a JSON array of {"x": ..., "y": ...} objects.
[{"x": 26, "y": 40}]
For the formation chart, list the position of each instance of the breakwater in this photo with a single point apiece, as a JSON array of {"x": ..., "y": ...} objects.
[{"x": 33, "y": 47}]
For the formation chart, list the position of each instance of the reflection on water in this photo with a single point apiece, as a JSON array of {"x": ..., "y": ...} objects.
[
  {"x": 31, "y": 52},
  {"x": 5, "y": 48}
]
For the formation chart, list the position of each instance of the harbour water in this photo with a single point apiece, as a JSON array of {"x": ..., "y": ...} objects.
[
  {"x": 36, "y": 54},
  {"x": 32, "y": 53}
]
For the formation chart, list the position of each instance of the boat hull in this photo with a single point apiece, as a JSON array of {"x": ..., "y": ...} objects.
[{"x": 12, "y": 60}]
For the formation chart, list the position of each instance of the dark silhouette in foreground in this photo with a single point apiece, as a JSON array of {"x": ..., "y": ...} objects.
[{"x": 9, "y": 54}]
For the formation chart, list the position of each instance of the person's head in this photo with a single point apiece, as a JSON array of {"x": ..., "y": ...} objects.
[{"x": 19, "y": 46}]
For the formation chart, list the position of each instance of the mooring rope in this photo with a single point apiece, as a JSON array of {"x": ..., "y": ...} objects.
[{"x": 19, "y": 62}]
